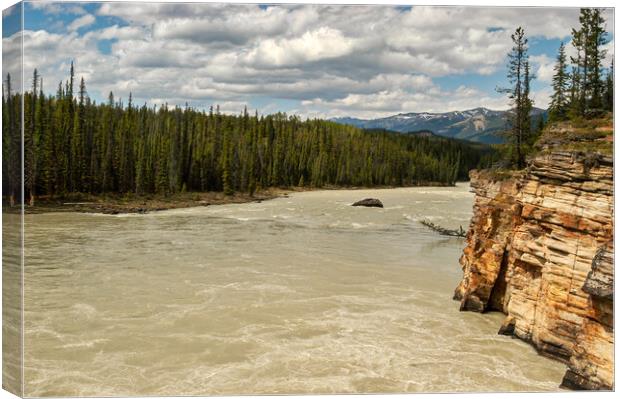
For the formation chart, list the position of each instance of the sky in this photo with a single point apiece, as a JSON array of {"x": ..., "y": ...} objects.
[{"x": 310, "y": 60}]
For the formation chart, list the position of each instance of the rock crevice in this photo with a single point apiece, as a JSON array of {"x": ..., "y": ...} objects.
[{"x": 540, "y": 250}]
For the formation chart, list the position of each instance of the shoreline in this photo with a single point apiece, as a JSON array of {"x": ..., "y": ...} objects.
[{"x": 114, "y": 204}]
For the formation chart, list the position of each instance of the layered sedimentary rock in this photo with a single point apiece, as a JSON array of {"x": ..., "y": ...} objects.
[{"x": 540, "y": 249}]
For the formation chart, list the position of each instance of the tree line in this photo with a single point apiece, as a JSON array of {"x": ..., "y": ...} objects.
[
  {"x": 74, "y": 145},
  {"x": 585, "y": 91}
]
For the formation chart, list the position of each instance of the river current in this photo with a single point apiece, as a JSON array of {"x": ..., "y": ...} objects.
[{"x": 303, "y": 294}]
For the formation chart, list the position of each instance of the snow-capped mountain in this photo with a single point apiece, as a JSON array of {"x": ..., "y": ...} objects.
[{"x": 478, "y": 124}]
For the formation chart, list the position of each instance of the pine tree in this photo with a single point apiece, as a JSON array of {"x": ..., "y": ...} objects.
[
  {"x": 608, "y": 97},
  {"x": 12, "y": 143},
  {"x": 227, "y": 186},
  {"x": 43, "y": 148},
  {"x": 79, "y": 133},
  {"x": 580, "y": 62},
  {"x": 588, "y": 82},
  {"x": 558, "y": 109},
  {"x": 527, "y": 104},
  {"x": 31, "y": 142},
  {"x": 108, "y": 145},
  {"x": 574, "y": 102},
  {"x": 75, "y": 145},
  {"x": 518, "y": 94},
  {"x": 596, "y": 39}
]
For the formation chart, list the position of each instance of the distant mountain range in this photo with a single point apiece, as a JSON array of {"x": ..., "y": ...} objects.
[{"x": 478, "y": 124}]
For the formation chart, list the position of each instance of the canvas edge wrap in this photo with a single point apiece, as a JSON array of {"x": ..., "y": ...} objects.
[{"x": 12, "y": 205}]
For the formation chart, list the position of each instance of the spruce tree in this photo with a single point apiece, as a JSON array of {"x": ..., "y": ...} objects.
[
  {"x": 574, "y": 102},
  {"x": 588, "y": 82},
  {"x": 608, "y": 97},
  {"x": 596, "y": 39},
  {"x": 518, "y": 94},
  {"x": 81, "y": 146},
  {"x": 31, "y": 142},
  {"x": 527, "y": 104},
  {"x": 227, "y": 186},
  {"x": 12, "y": 143},
  {"x": 79, "y": 133},
  {"x": 558, "y": 108}
]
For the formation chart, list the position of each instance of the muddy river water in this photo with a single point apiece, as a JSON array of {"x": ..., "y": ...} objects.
[{"x": 304, "y": 294}]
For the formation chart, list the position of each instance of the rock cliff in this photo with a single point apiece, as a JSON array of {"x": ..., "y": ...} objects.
[{"x": 540, "y": 250}]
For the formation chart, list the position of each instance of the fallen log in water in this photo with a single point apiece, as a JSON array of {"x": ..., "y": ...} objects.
[{"x": 443, "y": 231}]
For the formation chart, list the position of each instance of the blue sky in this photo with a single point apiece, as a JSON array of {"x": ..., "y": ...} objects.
[
  {"x": 11, "y": 21},
  {"x": 312, "y": 60}
]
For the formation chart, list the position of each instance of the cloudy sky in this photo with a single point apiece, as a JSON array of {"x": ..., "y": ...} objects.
[{"x": 311, "y": 60}]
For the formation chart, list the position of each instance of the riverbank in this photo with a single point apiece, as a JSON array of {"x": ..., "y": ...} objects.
[
  {"x": 113, "y": 204},
  {"x": 116, "y": 204}
]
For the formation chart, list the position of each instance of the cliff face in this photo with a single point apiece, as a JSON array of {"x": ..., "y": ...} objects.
[{"x": 540, "y": 249}]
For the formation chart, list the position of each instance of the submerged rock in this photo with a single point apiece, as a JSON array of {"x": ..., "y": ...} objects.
[
  {"x": 370, "y": 202},
  {"x": 508, "y": 326}
]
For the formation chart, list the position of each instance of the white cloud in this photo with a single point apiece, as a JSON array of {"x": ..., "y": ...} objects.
[
  {"x": 331, "y": 60},
  {"x": 81, "y": 22},
  {"x": 542, "y": 98},
  {"x": 50, "y": 8},
  {"x": 321, "y": 44},
  {"x": 11, "y": 61},
  {"x": 609, "y": 50},
  {"x": 543, "y": 67},
  {"x": 116, "y": 32},
  {"x": 55, "y": 8}
]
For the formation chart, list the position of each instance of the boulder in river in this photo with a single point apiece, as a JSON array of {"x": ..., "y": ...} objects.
[{"x": 370, "y": 202}]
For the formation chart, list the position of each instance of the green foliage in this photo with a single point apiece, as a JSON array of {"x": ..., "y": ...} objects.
[
  {"x": 588, "y": 88},
  {"x": 582, "y": 94},
  {"x": 11, "y": 142},
  {"x": 519, "y": 95},
  {"x": 558, "y": 109},
  {"x": 608, "y": 94},
  {"x": 93, "y": 148}
]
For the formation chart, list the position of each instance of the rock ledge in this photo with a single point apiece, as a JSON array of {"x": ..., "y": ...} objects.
[{"x": 540, "y": 250}]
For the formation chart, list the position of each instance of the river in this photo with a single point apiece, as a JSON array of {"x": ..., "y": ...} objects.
[{"x": 304, "y": 294}]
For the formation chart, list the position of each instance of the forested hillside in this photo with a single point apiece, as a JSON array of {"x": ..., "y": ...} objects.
[{"x": 73, "y": 144}]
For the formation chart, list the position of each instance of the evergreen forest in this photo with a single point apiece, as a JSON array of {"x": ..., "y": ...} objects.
[{"x": 75, "y": 145}]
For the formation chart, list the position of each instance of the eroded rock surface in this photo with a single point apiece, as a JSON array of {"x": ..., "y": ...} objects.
[{"x": 540, "y": 249}]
